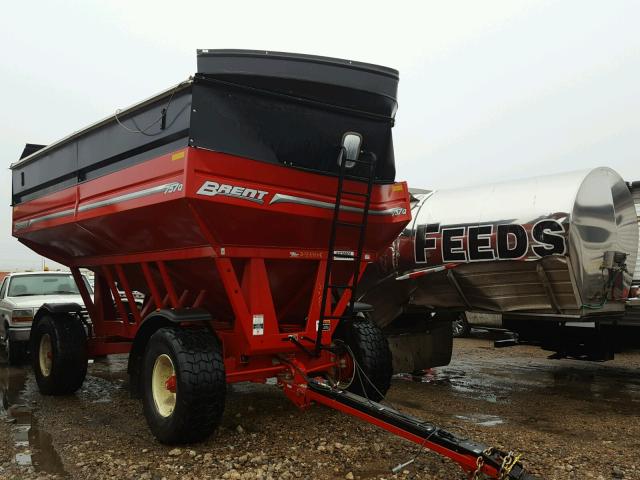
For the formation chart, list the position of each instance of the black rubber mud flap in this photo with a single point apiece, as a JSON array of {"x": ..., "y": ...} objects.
[{"x": 200, "y": 384}]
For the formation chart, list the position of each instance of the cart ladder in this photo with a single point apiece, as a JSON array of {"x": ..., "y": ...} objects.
[{"x": 338, "y": 224}]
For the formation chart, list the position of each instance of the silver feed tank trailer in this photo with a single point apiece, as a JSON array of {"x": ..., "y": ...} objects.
[{"x": 560, "y": 248}]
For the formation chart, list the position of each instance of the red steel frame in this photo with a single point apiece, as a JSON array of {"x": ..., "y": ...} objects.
[
  {"x": 250, "y": 295},
  {"x": 247, "y": 295}
]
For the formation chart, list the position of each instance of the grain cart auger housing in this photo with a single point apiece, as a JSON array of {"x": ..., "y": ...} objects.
[{"x": 244, "y": 203}]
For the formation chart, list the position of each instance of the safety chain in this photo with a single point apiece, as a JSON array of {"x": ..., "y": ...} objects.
[
  {"x": 478, "y": 471},
  {"x": 477, "y": 474},
  {"x": 508, "y": 463}
]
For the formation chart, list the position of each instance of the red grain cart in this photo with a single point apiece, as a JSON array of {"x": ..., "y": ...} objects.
[{"x": 244, "y": 203}]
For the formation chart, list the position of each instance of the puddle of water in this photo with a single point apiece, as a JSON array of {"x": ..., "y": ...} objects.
[
  {"x": 499, "y": 381},
  {"x": 24, "y": 459},
  {"x": 457, "y": 380},
  {"x": 432, "y": 376},
  {"x": 482, "y": 419},
  {"x": 34, "y": 446}
]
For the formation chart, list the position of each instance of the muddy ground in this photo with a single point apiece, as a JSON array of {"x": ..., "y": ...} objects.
[{"x": 570, "y": 420}]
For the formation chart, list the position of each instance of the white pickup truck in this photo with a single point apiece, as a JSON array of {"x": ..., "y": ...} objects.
[{"x": 21, "y": 295}]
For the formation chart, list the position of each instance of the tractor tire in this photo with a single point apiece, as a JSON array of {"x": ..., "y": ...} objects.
[
  {"x": 371, "y": 353},
  {"x": 184, "y": 384},
  {"x": 59, "y": 354}
]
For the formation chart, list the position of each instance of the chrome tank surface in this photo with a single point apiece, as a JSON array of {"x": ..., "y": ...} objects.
[{"x": 535, "y": 245}]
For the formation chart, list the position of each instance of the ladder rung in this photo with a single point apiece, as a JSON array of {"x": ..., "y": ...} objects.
[
  {"x": 347, "y": 192},
  {"x": 362, "y": 162},
  {"x": 357, "y": 177}
]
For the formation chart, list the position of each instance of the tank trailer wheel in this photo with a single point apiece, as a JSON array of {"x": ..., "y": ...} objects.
[
  {"x": 371, "y": 360},
  {"x": 460, "y": 326},
  {"x": 184, "y": 384},
  {"x": 59, "y": 354}
]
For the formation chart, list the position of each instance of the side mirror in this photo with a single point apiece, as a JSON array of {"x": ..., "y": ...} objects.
[{"x": 351, "y": 143}]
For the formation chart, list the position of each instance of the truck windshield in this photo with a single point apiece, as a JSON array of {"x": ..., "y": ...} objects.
[{"x": 22, "y": 286}]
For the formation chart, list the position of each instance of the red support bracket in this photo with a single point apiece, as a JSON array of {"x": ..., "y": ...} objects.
[
  {"x": 255, "y": 286},
  {"x": 84, "y": 292},
  {"x": 231, "y": 285},
  {"x": 116, "y": 294},
  {"x": 316, "y": 296},
  {"x": 199, "y": 299},
  {"x": 155, "y": 293},
  {"x": 346, "y": 295},
  {"x": 133, "y": 307},
  {"x": 150, "y": 305},
  {"x": 183, "y": 298},
  {"x": 168, "y": 284}
]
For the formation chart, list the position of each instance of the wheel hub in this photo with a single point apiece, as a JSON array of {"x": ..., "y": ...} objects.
[
  {"x": 164, "y": 385},
  {"x": 170, "y": 384},
  {"x": 344, "y": 371}
]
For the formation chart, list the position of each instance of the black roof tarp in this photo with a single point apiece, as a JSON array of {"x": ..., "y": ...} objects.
[{"x": 281, "y": 108}]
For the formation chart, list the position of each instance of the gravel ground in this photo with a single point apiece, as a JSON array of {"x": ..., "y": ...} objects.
[{"x": 570, "y": 420}]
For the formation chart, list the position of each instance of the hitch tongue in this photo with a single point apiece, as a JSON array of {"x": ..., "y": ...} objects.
[{"x": 476, "y": 459}]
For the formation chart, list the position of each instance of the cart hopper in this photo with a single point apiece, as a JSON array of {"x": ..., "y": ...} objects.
[{"x": 238, "y": 161}]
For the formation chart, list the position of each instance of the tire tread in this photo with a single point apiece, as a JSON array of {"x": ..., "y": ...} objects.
[
  {"x": 70, "y": 364},
  {"x": 202, "y": 385},
  {"x": 372, "y": 351}
]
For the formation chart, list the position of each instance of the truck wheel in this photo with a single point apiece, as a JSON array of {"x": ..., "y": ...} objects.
[
  {"x": 371, "y": 352},
  {"x": 460, "y": 326},
  {"x": 15, "y": 351},
  {"x": 59, "y": 354},
  {"x": 184, "y": 384}
]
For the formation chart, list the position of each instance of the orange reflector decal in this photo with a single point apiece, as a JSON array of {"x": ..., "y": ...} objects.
[{"x": 177, "y": 156}]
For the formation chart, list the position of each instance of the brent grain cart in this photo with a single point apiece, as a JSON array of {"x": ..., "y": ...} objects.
[{"x": 245, "y": 203}]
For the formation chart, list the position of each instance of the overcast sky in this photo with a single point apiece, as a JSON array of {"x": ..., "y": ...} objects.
[{"x": 489, "y": 90}]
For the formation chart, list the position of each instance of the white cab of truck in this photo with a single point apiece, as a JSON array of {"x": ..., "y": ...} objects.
[{"x": 21, "y": 295}]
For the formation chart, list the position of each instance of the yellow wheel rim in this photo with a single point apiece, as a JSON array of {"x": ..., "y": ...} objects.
[
  {"x": 163, "y": 385},
  {"x": 45, "y": 355}
]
